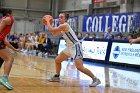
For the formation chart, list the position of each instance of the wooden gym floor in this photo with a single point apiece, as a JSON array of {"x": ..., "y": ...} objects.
[{"x": 29, "y": 75}]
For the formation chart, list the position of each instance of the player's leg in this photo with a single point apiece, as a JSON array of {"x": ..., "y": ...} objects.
[
  {"x": 5, "y": 55},
  {"x": 78, "y": 57},
  {"x": 80, "y": 67},
  {"x": 60, "y": 58}
]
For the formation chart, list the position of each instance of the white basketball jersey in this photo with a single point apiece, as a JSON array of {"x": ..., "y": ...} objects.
[{"x": 70, "y": 37}]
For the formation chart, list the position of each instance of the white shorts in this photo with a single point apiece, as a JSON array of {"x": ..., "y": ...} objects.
[{"x": 74, "y": 51}]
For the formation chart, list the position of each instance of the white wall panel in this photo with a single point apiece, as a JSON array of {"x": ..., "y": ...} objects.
[
  {"x": 136, "y": 6},
  {"x": 36, "y": 14},
  {"x": 29, "y": 27},
  {"x": 18, "y": 13},
  {"x": 72, "y": 4},
  {"x": 19, "y": 26},
  {"x": 15, "y": 3},
  {"x": 39, "y": 4}
]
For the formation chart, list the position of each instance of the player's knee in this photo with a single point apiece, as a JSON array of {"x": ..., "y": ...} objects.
[
  {"x": 12, "y": 59},
  {"x": 79, "y": 67},
  {"x": 9, "y": 59},
  {"x": 57, "y": 60}
]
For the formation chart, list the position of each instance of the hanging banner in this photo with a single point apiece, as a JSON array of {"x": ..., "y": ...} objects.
[{"x": 117, "y": 22}]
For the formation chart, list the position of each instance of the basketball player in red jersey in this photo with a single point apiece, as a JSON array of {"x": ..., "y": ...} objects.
[{"x": 6, "y": 23}]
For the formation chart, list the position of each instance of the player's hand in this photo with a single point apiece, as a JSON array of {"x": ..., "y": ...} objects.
[
  {"x": 18, "y": 50},
  {"x": 132, "y": 41},
  {"x": 47, "y": 19}
]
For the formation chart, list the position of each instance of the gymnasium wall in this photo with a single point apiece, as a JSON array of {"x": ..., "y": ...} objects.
[
  {"x": 136, "y": 6},
  {"x": 74, "y": 4},
  {"x": 28, "y": 13}
]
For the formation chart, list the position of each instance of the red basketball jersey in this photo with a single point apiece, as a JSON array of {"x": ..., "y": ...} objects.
[{"x": 7, "y": 29}]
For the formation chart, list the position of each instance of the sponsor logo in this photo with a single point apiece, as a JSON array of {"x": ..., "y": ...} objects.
[{"x": 116, "y": 52}]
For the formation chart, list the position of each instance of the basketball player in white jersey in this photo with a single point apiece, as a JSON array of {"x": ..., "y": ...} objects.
[{"x": 73, "y": 49}]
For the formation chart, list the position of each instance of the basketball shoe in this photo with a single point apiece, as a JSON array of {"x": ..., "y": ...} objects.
[
  {"x": 95, "y": 82},
  {"x": 4, "y": 81},
  {"x": 55, "y": 78}
]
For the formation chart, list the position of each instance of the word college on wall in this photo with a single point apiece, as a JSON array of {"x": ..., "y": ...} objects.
[{"x": 117, "y": 22}]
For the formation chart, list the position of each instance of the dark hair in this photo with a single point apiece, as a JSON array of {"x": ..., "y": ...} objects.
[
  {"x": 5, "y": 11},
  {"x": 66, "y": 15}
]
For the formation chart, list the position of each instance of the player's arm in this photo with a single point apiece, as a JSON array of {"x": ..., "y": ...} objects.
[
  {"x": 4, "y": 23},
  {"x": 10, "y": 46},
  {"x": 56, "y": 30},
  {"x": 134, "y": 40},
  {"x": 137, "y": 39}
]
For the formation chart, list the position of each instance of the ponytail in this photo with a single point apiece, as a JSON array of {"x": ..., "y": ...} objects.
[{"x": 66, "y": 15}]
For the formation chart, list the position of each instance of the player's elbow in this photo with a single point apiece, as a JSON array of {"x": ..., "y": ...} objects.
[{"x": 53, "y": 34}]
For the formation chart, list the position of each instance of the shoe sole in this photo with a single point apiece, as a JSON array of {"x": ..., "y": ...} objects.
[
  {"x": 6, "y": 86},
  {"x": 53, "y": 80}
]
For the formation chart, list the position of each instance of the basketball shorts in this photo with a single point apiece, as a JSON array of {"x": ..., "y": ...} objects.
[
  {"x": 2, "y": 45},
  {"x": 74, "y": 51},
  {"x": 1, "y": 62}
]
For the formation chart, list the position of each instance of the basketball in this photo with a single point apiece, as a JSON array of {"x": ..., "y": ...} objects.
[{"x": 44, "y": 19}]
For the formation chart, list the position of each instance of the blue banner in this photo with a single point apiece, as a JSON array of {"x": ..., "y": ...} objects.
[{"x": 117, "y": 22}]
